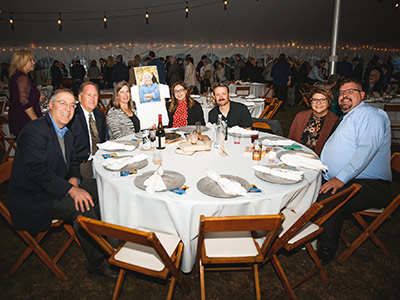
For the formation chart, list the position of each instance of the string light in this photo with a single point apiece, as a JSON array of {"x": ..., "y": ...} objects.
[
  {"x": 105, "y": 20},
  {"x": 396, "y": 5},
  {"x": 187, "y": 10},
  {"x": 225, "y": 4},
  {"x": 59, "y": 21},
  {"x": 11, "y": 22},
  {"x": 147, "y": 16}
]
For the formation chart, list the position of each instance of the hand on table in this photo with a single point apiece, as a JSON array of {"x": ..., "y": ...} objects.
[{"x": 334, "y": 184}]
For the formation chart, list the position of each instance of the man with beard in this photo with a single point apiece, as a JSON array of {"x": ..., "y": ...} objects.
[
  {"x": 358, "y": 151},
  {"x": 233, "y": 113}
]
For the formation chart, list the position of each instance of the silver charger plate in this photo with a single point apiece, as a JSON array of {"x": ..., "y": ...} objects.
[
  {"x": 133, "y": 166},
  {"x": 171, "y": 179},
  {"x": 294, "y": 152},
  {"x": 211, "y": 188},
  {"x": 191, "y": 128},
  {"x": 276, "y": 179}
]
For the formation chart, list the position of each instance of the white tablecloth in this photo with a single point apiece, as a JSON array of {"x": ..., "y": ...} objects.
[
  {"x": 121, "y": 202},
  {"x": 255, "y": 108},
  {"x": 257, "y": 89},
  {"x": 394, "y": 116}
]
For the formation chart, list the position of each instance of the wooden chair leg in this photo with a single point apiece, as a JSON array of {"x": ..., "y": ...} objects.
[
  {"x": 34, "y": 245},
  {"x": 120, "y": 282},
  {"x": 257, "y": 282},
  {"x": 282, "y": 276},
  {"x": 368, "y": 232},
  {"x": 345, "y": 240},
  {"x": 202, "y": 284},
  {"x": 317, "y": 262},
  {"x": 27, "y": 251}
]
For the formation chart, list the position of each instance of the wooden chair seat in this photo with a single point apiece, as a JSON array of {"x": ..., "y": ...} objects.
[
  {"x": 301, "y": 230},
  {"x": 380, "y": 215},
  {"x": 151, "y": 253},
  {"x": 227, "y": 244},
  {"x": 34, "y": 242}
]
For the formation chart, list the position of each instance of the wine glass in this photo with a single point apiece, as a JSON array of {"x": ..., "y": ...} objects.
[{"x": 157, "y": 157}]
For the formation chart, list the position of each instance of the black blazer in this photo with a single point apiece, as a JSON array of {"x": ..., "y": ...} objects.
[
  {"x": 195, "y": 114},
  {"x": 39, "y": 175},
  {"x": 80, "y": 132}
]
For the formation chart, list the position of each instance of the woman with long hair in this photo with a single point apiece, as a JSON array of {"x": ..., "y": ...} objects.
[
  {"x": 183, "y": 110},
  {"x": 24, "y": 96}
]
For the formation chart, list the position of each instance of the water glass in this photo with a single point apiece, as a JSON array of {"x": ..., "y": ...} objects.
[{"x": 157, "y": 157}]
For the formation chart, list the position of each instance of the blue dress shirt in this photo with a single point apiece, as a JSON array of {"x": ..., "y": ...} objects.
[{"x": 360, "y": 146}]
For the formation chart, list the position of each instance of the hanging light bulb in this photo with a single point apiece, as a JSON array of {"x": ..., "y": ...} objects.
[
  {"x": 225, "y": 4},
  {"x": 59, "y": 22},
  {"x": 396, "y": 5},
  {"x": 11, "y": 22},
  {"x": 105, "y": 20},
  {"x": 147, "y": 16},
  {"x": 187, "y": 10}
]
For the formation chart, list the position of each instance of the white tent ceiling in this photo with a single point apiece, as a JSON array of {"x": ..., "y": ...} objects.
[{"x": 264, "y": 21}]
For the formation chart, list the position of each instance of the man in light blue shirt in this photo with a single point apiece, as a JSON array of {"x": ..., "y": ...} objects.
[{"x": 358, "y": 151}]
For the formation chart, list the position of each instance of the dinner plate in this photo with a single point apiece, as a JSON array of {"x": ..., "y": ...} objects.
[
  {"x": 133, "y": 166},
  {"x": 211, "y": 188},
  {"x": 172, "y": 136},
  {"x": 171, "y": 179},
  {"x": 191, "y": 128},
  {"x": 276, "y": 179},
  {"x": 139, "y": 134},
  {"x": 277, "y": 138},
  {"x": 195, "y": 96},
  {"x": 295, "y": 152}
]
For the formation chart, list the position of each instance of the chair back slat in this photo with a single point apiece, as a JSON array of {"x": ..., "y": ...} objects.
[
  {"x": 242, "y": 90},
  {"x": 334, "y": 203},
  {"x": 395, "y": 162}
]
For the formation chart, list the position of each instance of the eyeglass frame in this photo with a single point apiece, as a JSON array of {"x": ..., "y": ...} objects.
[
  {"x": 348, "y": 92},
  {"x": 318, "y": 100},
  {"x": 64, "y": 103}
]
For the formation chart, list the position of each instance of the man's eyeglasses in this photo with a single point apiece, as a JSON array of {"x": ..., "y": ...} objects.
[
  {"x": 321, "y": 100},
  {"x": 65, "y": 104},
  {"x": 348, "y": 92}
]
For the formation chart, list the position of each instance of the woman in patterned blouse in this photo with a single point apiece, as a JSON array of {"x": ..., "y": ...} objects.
[
  {"x": 183, "y": 110},
  {"x": 313, "y": 127}
]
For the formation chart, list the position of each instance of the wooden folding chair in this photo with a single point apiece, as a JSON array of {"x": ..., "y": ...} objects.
[
  {"x": 242, "y": 90},
  {"x": 226, "y": 241},
  {"x": 395, "y": 127},
  {"x": 302, "y": 230},
  {"x": 104, "y": 98},
  {"x": 34, "y": 242},
  {"x": 154, "y": 254},
  {"x": 271, "y": 107},
  {"x": 304, "y": 96},
  {"x": 268, "y": 90},
  {"x": 5, "y": 139},
  {"x": 379, "y": 215}
]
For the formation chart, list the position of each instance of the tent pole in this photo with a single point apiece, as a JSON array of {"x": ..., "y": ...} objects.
[{"x": 333, "y": 58}]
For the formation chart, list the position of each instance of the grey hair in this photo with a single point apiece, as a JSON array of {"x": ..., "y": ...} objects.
[
  {"x": 59, "y": 91},
  {"x": 375, "y": 71}
]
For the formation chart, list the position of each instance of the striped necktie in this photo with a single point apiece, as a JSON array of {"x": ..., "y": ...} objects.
[{"x": 94, "y": 134}]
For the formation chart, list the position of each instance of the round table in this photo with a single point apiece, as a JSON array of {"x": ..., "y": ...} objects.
[{"x": 122, "y": 203}]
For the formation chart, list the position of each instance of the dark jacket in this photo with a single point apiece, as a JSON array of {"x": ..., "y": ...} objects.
[
  {"x": 120, "y": 72},
  {"x": 300, "y": 122},
  {"x": 80, "y": 132},
  {"x": 39, "y": 175},
  {"x": 195, "y": 114}
]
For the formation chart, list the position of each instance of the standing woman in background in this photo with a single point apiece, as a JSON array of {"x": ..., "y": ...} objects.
[
  {"x": 24, "y": 96},
  {"x": 108, "y": 72}
]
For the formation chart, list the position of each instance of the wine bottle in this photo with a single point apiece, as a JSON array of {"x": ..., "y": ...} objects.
[{"x": 160, "y": 133}]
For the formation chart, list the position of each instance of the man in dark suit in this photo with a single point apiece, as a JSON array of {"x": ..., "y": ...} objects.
[
  {"x": 44, "y": 183},
  {"x": 84, "y": 141}
]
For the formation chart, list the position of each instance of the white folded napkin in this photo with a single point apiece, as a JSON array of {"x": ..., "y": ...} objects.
[
  {"x": 249, "y": 103},
  {"x": 155, "y": 182},
  {"x": 277, "y": 142},
  {"x": 116, "y": 164},
  {"x": 242, "y": 131},
  {"x": 305, "y": 162},
  {"x": 110, "y": 145},
  {"x": 251, "y": 96},
  {"x": 230, "y": 187},
  {"x": 280, "y": 172}
]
